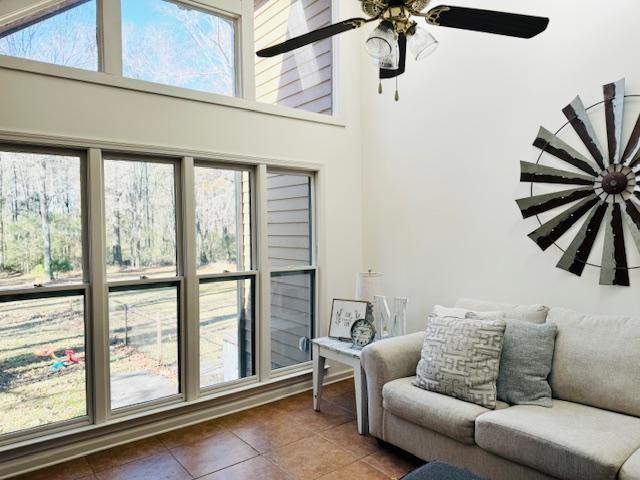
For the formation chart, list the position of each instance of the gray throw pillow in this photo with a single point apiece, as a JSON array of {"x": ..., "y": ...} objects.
[
  {"x": 525, "y": 365},
  {"x": 461, "y": 359}
]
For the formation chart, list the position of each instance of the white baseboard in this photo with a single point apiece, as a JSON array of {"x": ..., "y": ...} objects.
[{"x": 97, "y": 440}]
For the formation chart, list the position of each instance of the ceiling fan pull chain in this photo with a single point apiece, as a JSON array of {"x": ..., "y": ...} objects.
[
  {"x": 397, "y": 96},
  {"x": 380, "y": 87}
]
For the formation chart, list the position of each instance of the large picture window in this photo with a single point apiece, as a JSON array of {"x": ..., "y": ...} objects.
[
  {"x": 132, "y": 283},
  {"x": 43, "y": 374}
]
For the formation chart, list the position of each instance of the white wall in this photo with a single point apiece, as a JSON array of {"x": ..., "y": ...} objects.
[
  {"x": 54, "y": 106},
  {"x": 441, "y": 167}
]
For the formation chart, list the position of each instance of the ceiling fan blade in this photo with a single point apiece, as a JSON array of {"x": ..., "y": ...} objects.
[
  {"x": 501, "y": 23},
  {"x": 311, "y": 37},
  {"x": 402, "y": 60}
]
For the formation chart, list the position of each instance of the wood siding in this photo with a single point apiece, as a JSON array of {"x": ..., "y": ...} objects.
[
  {"x": 301, "y": 78},
  {"x": 292, "y": 294}
]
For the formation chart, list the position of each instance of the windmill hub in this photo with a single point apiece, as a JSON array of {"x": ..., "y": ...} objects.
[{"x": 614, "y": 183}]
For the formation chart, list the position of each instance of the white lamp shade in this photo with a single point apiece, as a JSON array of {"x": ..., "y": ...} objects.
[{"x": 369, "y": 284}]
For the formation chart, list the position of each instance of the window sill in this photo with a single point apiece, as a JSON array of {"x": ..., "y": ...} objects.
[
  {"x": 101, "y": 78},
  {"x": 213, "y": 404}
]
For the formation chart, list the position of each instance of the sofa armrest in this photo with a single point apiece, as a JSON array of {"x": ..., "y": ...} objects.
[{"x": 387, "y": 360}]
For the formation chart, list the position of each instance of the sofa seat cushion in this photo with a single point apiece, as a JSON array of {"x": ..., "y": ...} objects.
[
  {"x": 631, "y": 468},
  {"x": 441, "y": 413},
  {"x": 568, "y": 441}
]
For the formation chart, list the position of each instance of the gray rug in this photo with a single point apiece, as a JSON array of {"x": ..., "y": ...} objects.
[{"x": 440, "y": 471}]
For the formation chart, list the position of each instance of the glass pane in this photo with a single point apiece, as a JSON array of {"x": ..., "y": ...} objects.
[
  {"x": 175, "y": 44},
  {"x": 40, "y": 220},
  {"x": 303, "y": 77},
  {"x": 65, "y": 36},
  {"x": 42, "y": 362},
  {"x": 140, "y": 211},
  {"x": 226, "y": 331},
  {"x": 289, "y": 210},
  {"x": 143, "y": 334},
  {"x": 292, "y": 306},
  {"x": 223, "y": 220}
]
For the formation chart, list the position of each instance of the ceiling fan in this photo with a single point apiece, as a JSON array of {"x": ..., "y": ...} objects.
[{"x": 387, "y": 43}]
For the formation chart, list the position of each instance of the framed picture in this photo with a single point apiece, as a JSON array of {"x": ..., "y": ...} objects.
[{"x": 344, "y": 313}]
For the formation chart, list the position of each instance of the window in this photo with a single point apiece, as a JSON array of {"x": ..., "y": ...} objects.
[
  {"x": 143, "y": 336},
  {"x": 301, "y": 78},
  {"x": 291, "y": 263},
  {"x": 43, "y": 377},
  {"x": 224, "y": 260},
  {"x": 140, "y": 223},
  {"x": 174, "y": 44},
  {"x": 64, "y": 35},
  {"x": 129, "y": 284}
]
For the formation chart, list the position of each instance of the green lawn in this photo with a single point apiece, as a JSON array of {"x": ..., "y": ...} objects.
[{"x": 33, "y": 394}]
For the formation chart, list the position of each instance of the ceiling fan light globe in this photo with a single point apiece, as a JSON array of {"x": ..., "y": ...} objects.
[
  {"x": 421, "y": 43},
  {"x": 391, "y": 61},
  {"x": 380, "y": 42}
]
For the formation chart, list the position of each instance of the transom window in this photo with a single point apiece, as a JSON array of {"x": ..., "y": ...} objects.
[{"x": 205, "y": 46}]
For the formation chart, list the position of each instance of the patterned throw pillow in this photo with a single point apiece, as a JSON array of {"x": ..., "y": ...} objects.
[{"x": 461, "y": 359}]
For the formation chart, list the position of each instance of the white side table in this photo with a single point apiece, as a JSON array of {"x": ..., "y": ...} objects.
[{"x": 343, "y": 352}]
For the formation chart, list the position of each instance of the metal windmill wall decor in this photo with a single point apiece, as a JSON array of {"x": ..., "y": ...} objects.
[{"x": 605, "y": 189}]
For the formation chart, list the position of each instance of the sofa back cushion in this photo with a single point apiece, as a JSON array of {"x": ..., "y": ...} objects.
[
  {"x": 527, "y": 313},
  {"x": 597, "y": 360}
]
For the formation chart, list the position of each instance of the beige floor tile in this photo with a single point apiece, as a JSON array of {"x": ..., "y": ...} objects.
[
  {"x": 156, "y": 467},
  {"x": 329, "y": 416},
  {"x": 310, "y": 458},
  {"x": 214, "y": 453},
  {"x": 257, "y": 468},
  {"x": 392, "y": 463},
  {"x": 338, "y": 388},
  {"x": 347, "y": 436},
  {"x": 191, "y": 434},
  {"x": 267, "y": 433},
  {"x": 114, "y": 457},
  {"x": 356, "y": 471},
  {"x": 71, "y": 470}
]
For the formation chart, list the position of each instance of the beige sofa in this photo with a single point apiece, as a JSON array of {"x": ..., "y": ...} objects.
[{"x": 592, "y": 432}]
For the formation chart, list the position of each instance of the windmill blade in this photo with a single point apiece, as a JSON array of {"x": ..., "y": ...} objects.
[
  {"x": 613, "y": 109},
  {"x": 613, "y": 270},
  {"x": 402, "y": 59},
  {"x": 633, "y": 221},
  {"x": 577, "y": 254},
  {"x": 579, "y": 119},
  {"x": 549, "y": 232},
  {"x": 488, "y": 21},
  {"x": 632, "y": 150},
  {"x": 536, "y": 173},
  {"x": 551, "y": 144},
  {"x": 314, "y": 36},
  {"x": 530, "y": 206}
]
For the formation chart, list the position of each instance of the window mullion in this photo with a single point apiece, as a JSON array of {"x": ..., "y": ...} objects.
[
  {"x": 191, "y": 325},
  {"x": 246, "y": 65},
  {"x": 110, "y": 36},
  {"x": 99, "y": 296},
  {"x": 263, "y": 320}
]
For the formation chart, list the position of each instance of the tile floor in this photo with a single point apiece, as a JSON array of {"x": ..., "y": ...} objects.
[{"x": 284, "y": 440}]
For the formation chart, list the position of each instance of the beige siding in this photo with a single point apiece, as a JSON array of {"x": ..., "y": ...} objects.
[
  {"x": 289, "y": 245},
  {"x": 301, "y": 78}
]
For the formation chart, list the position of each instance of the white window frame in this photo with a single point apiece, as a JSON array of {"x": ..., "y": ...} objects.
[
  {"x": 95, "y": 282},
  {"x": 109, "y": 26}
]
